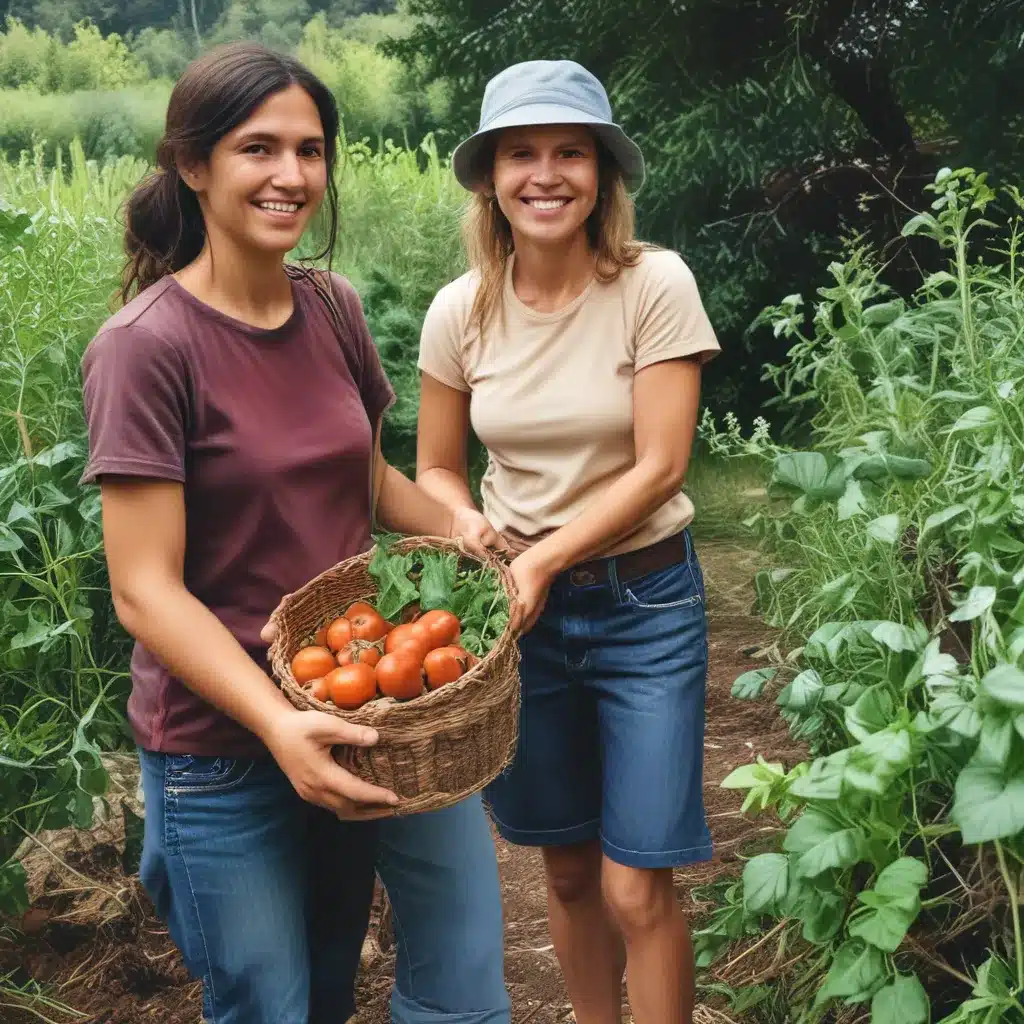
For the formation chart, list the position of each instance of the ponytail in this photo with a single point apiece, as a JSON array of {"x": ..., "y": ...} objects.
[{"x": 164, "y": 230}]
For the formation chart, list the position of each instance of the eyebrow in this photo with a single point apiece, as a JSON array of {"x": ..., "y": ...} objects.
[
  {"x": 577, "y": 140},
  {"x": 270, "y": 137}
]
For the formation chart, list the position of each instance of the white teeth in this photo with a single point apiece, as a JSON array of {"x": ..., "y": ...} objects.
[
  {"x": 547, "y": 204},
  {"x": 280, "y": 207}
]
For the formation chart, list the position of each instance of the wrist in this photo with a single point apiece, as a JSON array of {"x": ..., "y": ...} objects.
[{"x": 544, "y": 559}]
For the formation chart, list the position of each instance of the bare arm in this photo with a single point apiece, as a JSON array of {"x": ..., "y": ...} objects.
[
  {"x": 144, "y": 538},
  {"x": 441, "y": 449},
  {"x": 665, "y": 400}
]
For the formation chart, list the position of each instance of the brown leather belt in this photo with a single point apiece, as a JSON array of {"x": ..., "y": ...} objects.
[{"x": 631, "y": 564}]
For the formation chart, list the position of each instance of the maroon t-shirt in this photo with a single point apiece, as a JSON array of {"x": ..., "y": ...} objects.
[{"x": 270, "y": 433}]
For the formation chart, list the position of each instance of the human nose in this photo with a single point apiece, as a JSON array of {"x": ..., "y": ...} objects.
[
  {"x": 288, "y": 171},
  {"x": 545, "y": 172}
]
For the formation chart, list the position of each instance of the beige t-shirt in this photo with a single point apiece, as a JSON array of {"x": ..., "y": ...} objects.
[{"x": 552, "y": 393}]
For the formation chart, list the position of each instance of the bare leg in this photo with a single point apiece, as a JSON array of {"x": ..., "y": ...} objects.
[
  {"x": 586, "y": 939},
  {"x": 659, "y": 954}
]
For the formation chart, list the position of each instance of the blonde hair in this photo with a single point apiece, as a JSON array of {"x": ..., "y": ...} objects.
[{"x": 611, "y": 227}]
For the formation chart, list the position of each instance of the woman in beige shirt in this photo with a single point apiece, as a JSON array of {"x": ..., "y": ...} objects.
[{"x": 575, "y": 353}]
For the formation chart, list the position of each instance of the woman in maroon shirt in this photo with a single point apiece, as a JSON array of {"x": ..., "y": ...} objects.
[{"x": 234, "y": 407}]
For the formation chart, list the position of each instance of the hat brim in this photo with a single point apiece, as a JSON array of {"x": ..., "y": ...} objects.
[{"x": 472, "y": 175}]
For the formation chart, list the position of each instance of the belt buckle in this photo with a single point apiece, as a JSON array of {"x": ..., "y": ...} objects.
[{"x": 582, "y": 578}]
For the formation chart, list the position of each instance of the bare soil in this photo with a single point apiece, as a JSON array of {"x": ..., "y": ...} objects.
[{"x": 89, "y": 950}]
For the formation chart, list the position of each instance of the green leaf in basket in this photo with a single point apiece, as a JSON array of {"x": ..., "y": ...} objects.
[
  {"x": 437, "y": 581},
  {"x": 394, "y": 588}
]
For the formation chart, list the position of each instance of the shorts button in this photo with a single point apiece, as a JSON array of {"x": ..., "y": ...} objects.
[{"x": 582, "y": 578}]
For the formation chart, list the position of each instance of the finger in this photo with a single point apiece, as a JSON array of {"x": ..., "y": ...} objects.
[
  {"x": 268, "y": 634},
  {"x": 338, "y": 731},
  {"x": 346, "y": 786}
]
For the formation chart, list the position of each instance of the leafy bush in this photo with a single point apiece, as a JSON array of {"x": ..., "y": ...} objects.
[
  {"x": 89, "y": 61},
  {"x": 898, "y": 544},
  {"x": 109, "y": 124}
]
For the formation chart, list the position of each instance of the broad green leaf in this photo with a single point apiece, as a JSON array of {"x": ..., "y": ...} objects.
[
  {"x": 61, "y": 452},
  {"x": 883, "y": 313},
  {"x": 938, "y": 663},
  {"x": 822, "y": 841},
  {"x": 896, "y": 637},
  {"x": 974, "y": 419},
  {"x": 882, "y": 465},
  {"x": 743, "y": 777},
  {"x": 765, "y": 882},
  {"x": 953, "y": 712},
  {"x": 885, "y": 529},
  {"x": 437, "y": 580},
  {"x": 852, "y": 501},
  {"x": 810, "y": 474},
  {"x": 903, "y": 1001},
  {"x": 979, "y": 600},
  {"x": 996, "y": 738},
  {"x": 872, "y": 712},
  {"x": 988, "y": 804},
  {"x": 822, "y": 914},
  {"x": 801, "y": 693},
  {"x": 858, "y": 967},
  {"x": 905, "y": 876},
  {"x": 9, "y": 540},
  {"x": 1005, "y": 685},
  {"x": 921, "y": 224},
  {"x": 750, "y": 685},
  {"x": 937, "y": 519}
]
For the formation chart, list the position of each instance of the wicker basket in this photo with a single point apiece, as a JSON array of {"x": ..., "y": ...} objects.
[{"x": 438, "y": 748}]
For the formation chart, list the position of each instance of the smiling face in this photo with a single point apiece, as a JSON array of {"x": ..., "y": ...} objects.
[
  {"x": 546, "y": 182},
  {"x": 266, "y": 178}
]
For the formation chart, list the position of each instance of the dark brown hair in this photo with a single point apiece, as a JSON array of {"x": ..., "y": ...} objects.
[{"x": 164, "y": 227}]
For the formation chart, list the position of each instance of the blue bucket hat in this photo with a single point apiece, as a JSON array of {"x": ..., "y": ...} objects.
[{"x": 538, "y": 92}]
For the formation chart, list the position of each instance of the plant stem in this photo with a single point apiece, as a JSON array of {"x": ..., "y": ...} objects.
[{"x": 1011, "y": 888}]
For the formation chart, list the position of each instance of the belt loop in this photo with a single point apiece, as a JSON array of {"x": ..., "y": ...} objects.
[
  {"x": 613, "y": 579},
  {"x": 689, "y": 544}
]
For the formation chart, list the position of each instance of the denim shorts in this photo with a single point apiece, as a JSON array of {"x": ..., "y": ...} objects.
[{"x": 611, "y": 741}]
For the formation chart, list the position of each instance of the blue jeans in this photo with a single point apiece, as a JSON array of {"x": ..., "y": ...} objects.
[
  {"x": 268, "y": 897},
  {"x": 611, "y": 724}
]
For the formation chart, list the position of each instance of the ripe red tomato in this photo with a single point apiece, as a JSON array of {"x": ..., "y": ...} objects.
[
  {"x": 351, "y": 686},
  {"x": 444, "y": 627},
  {"x": 319, "y": 689},
  {"x": 339, "y": 634},
  {"x": 400, "y": 674},
  {"x": 310, "y": 663},
  {"x": 409, "y": 633},
  {"x": 359, "y": 608},
  {"x": 445, "y": 665},
  {"x": 321, "y": 637},
  {"x": 353, "y": 655},
  {"x": 368, "y": 625}
]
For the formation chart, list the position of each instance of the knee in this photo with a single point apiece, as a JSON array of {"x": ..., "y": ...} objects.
[
  {"x": 638, "y": 899},
  {"x": 573, "y": 874}
]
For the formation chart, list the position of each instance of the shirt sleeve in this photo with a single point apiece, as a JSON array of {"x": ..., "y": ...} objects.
[
  {"x": 441, "y": 342},
  {"x": 135, "y": 389},
  {"x": 672, "y": 321},
  {"x": 372, "y": 380}
]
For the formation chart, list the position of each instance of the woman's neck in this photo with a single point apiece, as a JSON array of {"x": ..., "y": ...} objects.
[
  {"x": 548, "y": 278},
  {"x": 257, "y": 292}
]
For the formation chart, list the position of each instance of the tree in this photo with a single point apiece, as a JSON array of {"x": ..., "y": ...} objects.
[{"x": 772, "y": 128}]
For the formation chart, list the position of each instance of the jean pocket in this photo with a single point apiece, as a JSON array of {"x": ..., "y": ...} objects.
[
  {"x": 183, "y": 772},
  {"x": 673, "y": 587}
]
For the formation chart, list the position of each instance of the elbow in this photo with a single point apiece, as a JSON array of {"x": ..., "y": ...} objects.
[
  {"x": 666, "y": 478},
  {"x": 133, "y": 606}
]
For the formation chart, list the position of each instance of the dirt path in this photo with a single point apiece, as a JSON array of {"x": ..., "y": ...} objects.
[{"x": 101, "y": 951}]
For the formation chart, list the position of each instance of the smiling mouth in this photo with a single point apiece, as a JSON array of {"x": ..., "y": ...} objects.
[
  {"x": 547, "y": 204},
  {"x": 278, "y": 207}
]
